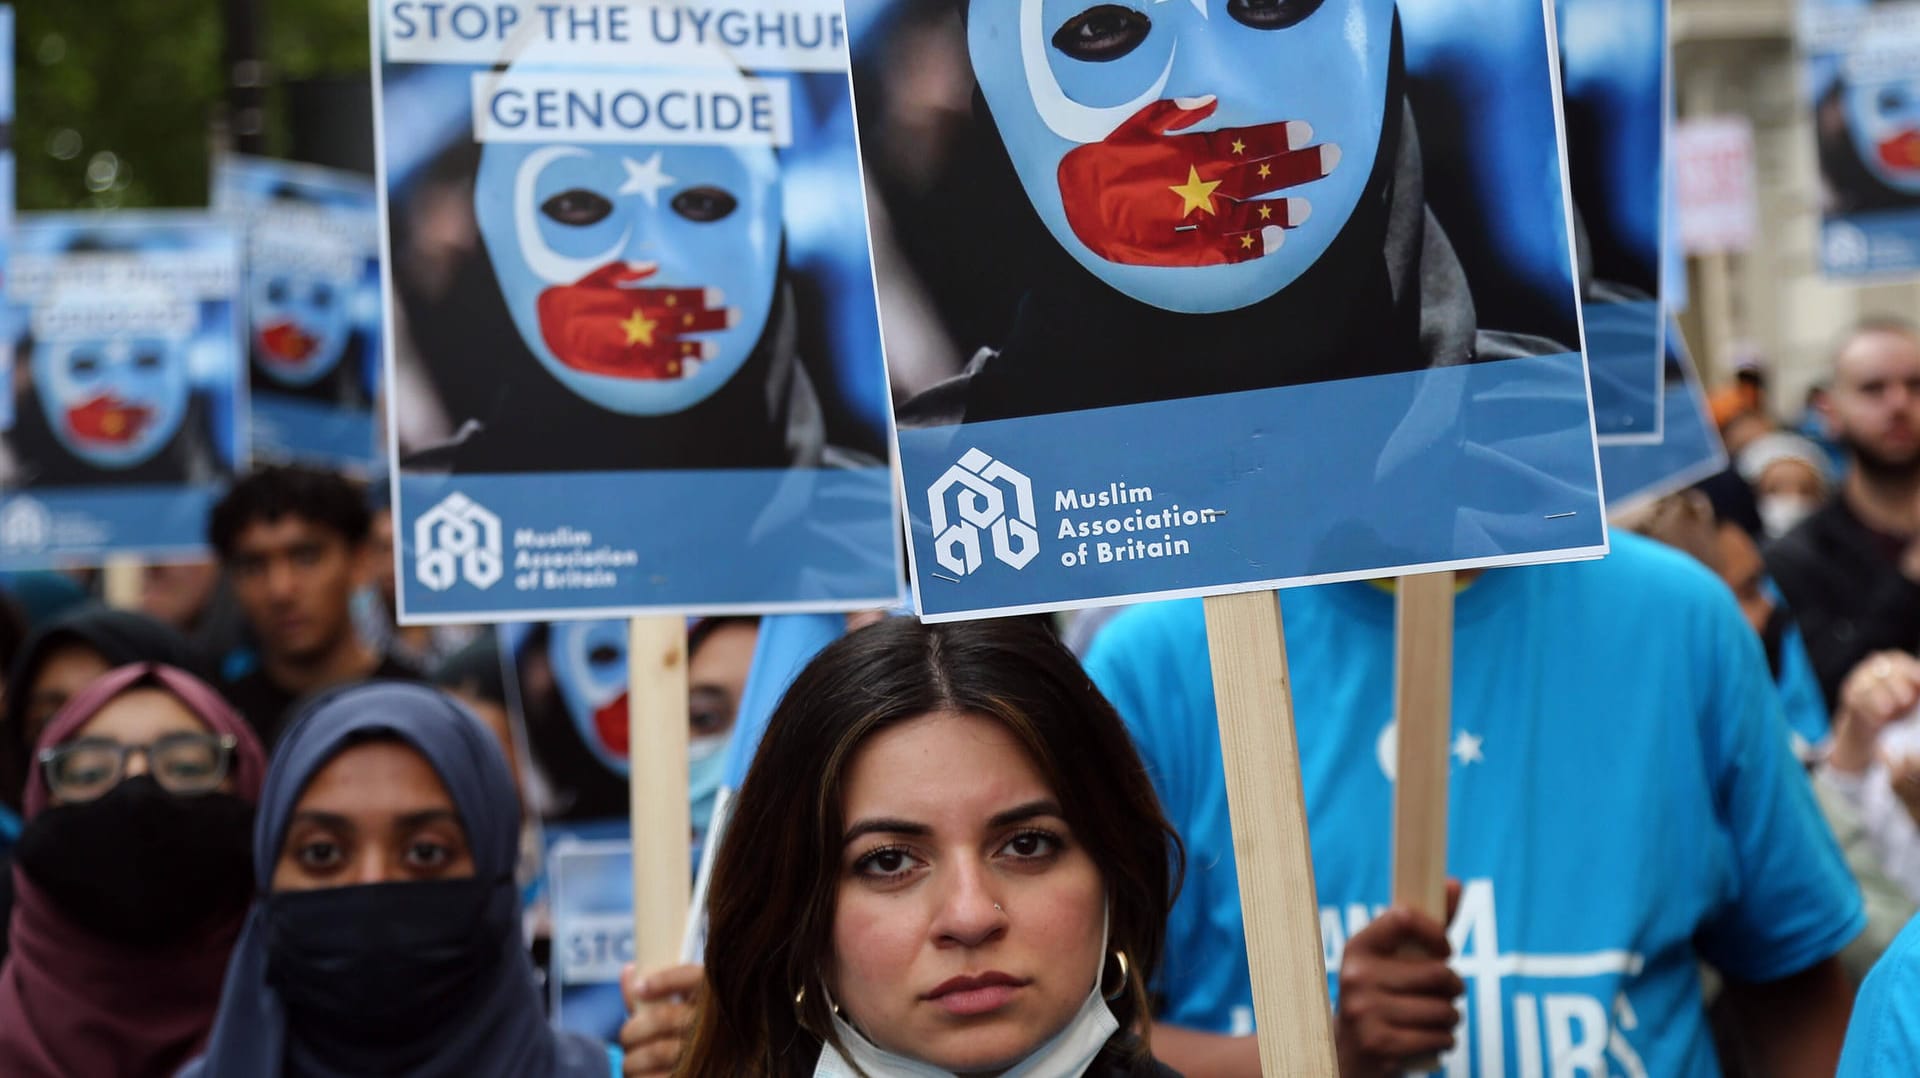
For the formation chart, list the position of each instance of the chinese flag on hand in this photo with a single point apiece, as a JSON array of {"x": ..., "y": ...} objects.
[{"x": 601, "y": 324}]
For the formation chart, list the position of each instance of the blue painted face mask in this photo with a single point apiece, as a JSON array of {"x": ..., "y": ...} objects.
[
  {"x": 112, "y": 401},
  {"x": 1883, "y": 119},
  {"x": 641, "y": 277},
  {"x": 589, "y": 660},
  {"x": 1197, "y": 155},
  {"x": 301, "y": 323}
]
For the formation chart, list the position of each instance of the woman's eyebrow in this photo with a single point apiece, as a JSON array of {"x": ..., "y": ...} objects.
[
  {"x": 885, "y": 826},
  {"x": 331, "y": 820},
  {"x": 1027, "y": 811},
  {"x": 411, "y": 820}
]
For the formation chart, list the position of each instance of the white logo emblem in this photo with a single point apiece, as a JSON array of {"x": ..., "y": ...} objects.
[
  {"x": 978, "y": 487},
  {"x": 1847, "y": 246},
  {"x": 25, "y": 524},
  {"x": 457, "y": 538}
]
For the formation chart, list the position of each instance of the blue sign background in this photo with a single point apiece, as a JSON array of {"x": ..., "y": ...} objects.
[{"x": 1688, "y": 452}]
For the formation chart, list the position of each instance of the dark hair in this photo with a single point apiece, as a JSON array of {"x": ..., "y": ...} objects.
[
  {"x": 267, "y": 494},
  {"x": 775, "y": 881},
  {"x": 702, "y": 629}
]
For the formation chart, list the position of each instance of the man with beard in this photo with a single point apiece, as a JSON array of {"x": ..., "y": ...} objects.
[{"x": 1851, "y": 572}]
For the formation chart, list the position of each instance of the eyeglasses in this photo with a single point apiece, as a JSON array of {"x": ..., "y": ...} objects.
[{"x": 181, "y": 763}]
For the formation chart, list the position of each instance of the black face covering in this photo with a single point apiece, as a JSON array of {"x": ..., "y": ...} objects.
[
  {"x": 141, "y": 866},
  {"x": 380, "y": 966}
]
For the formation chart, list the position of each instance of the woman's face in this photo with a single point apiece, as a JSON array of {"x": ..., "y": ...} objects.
[
  {"x": 968, "y": 924},
  {"x": 141, "y": 717},
  {"x": 376, "y": 813}
]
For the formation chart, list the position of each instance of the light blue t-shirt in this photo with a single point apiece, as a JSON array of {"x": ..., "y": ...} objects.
[
  {"x": 1884, "y": 1036},
  {"x": 1624, "y": 804}
]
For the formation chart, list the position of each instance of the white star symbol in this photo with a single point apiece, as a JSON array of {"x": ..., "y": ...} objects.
[
  {"x": 645, "y": 180},
  {"x": 1466, "y": 749}
]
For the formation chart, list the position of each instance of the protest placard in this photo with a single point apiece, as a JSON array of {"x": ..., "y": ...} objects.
[
  {"x": 634, "y": 343},
  {"x": 1689, "y": 449},
  {"x": 1615, "y": 65},
  {"x": 1219, "y": 343},
  {"x": 1253, "y": 295},
  {"x": 1862, "y": 81},
  {"x": 313, "y": 308},
  {"x": 129, "y": 420}
]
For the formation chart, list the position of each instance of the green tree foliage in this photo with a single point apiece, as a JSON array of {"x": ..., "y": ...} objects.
[{"x": 118, "y": 102}]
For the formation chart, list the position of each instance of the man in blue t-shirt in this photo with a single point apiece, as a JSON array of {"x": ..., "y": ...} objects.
[
  {"x": 1884, "y": 1037},
  {"x": 1624, "y": 806}
]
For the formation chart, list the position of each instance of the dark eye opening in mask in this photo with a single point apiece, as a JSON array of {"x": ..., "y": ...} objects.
[
  {"x": 322, "y": 296},
  {"x": 277, "y": 290},
  {"x": 1102, "y": 33},
  {"x": 1271, "y": 14},
  {"x": 1893, "y": 99},
  {"x": 146, "y": 361},
  {"x": 704, "y": 204},
  {"x": 603, "y": 654},
  {"x": 83, "y": 364},
  {"x": 578, "y": 207}
]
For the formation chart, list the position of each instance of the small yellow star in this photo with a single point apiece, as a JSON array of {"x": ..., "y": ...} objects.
[
  {"x": 686, "y": 320},
  {"x": 1195, "y": 194},
  {"x": 114, "y": 423},
  {"x": 639, "y": 328},
  {"x": 1265, "y": 171},
  {"x": 1266, "y": 213},
  {"x": 1239, "y": 147},
  {"x": 1247, "y": 242},
  {"x": 673, "y": 300}
]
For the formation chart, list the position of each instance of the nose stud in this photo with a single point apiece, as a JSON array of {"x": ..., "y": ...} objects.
[{"x": 997, "y": 909}]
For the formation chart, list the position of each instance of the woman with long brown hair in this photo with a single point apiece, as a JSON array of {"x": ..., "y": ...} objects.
[{"x": 946, "y": 858}]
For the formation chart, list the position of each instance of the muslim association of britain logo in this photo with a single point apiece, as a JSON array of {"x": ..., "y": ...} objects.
[
  {"x": 457, "y": 539},
  {"x": 25, "y": 524},
  {"x": 981, "y": 494}
]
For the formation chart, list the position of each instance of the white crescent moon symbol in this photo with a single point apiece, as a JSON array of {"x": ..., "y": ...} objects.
[
  {"x": 1064, "y": 116},
  {"x": 547, "y": 264}
]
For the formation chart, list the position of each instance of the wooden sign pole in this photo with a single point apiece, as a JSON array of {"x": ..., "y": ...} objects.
[
  {"x": 1423, "y": 716},
  {"x": 1269, "y": 811},
  {"x": 657, "y": 775}
]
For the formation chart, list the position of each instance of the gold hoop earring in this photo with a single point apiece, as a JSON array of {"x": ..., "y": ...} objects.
[{"x": 1125, "y": 975}]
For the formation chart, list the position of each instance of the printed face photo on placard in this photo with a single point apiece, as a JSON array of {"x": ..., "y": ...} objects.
[
  {"x": 125, "y": 416},
  {"x": 633, "y": 311},
  {"x": 1614, "y": 74},
  {"x": 1863, "y": 84},
  {"x": 313, "y": 307},
  {"x": 1163, "y": 245}
]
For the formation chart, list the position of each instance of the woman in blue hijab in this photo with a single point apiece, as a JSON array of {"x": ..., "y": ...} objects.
[{"x": 386, "y": 936}]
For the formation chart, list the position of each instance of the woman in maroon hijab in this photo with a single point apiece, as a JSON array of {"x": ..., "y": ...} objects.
[{"x": 133, "y": 874}]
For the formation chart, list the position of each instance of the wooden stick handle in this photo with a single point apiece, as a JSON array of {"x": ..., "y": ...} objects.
[
  {"x": 1423, "y": 716},
  {"x": 1270, "y": 848},
  {"x": 657, "y": 773}
]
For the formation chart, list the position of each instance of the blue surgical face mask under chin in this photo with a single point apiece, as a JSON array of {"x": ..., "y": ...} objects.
[
  {"x": 1196, "y": 155},
  {"x": 706, "y": 767},
  {"x": 113, "y": 402},
  {"x": 641, "y": 277},
  {"x": 1883, "y": 119}
]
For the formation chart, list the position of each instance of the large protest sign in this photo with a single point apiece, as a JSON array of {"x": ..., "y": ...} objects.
[
  {"x": 1615, "y": 66},
  {"x": 1863, "y": 84},
  {"x": 1218, "y": 343},
  {"x": 635, "y": 350},
  {"x": 1689, "y": 449},
  {"x": 128, "y": 405},
  {"x": 313, "y": 307}
]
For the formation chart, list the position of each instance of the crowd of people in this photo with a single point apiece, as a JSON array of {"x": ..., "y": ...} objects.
[{"x": 256, "y": 828}]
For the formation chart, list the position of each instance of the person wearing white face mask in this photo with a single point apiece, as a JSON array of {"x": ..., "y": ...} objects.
[
  {"x": 1790, "y": 477},
  {"x": 946, "y": 859}
]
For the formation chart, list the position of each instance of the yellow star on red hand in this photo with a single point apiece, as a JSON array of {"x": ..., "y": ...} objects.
[{"x": 1195, "y": 194}]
